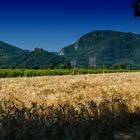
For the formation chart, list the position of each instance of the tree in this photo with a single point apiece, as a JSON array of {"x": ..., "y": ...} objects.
[
  {"x": 65, "y": 65},
  {"x": 120, "y": 66},
  {"x": 136, "y": 6}
]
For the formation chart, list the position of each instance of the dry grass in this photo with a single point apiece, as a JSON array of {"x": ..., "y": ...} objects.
[{"x": 70, "y": 107}]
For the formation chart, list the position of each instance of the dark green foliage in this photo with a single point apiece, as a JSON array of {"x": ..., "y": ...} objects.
[
  {"x": 120, "y": 66},
  {"x": 53, "y": 72},
  {"x": 64, "y": 122}
]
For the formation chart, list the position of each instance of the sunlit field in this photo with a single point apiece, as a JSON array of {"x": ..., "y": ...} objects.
[
  {"x": 92, "y": 106},
  {"x": 73, "y": 89}
]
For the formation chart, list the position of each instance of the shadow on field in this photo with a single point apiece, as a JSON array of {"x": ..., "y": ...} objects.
[{"x": 109, "y": 120}]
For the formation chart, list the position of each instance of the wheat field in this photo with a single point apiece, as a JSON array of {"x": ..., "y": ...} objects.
[
  {"x": 72, "y": 88},
  {"x": 72, "y": 107}
]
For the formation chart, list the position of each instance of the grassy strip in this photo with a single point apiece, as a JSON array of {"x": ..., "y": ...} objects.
[{"x": 50, "y": 72}]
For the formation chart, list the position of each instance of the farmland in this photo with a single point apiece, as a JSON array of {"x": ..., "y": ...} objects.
[{"x": 90, "y": 106}]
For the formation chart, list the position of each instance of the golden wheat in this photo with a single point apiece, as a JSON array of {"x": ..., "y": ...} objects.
[{"x": 73, "y": 89}]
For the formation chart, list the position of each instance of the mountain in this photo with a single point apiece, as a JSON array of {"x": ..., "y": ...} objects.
[
  {"x": 14, "y": 57},
  {"x": 104, "y": 49},
  {"x": 41, "y": 58},
  {"x": 8, "y": 53},
  {"x": 100, "y": 49}
]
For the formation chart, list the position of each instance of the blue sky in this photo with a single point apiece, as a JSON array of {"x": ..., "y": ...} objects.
[{"x": 53, "y": 24}]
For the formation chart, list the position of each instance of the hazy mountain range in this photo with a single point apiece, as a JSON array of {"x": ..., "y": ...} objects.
[{"x": 95, "y": 49}]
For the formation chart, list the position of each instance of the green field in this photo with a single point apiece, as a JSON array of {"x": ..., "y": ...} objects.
[{"x": 51, "y": 72}]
